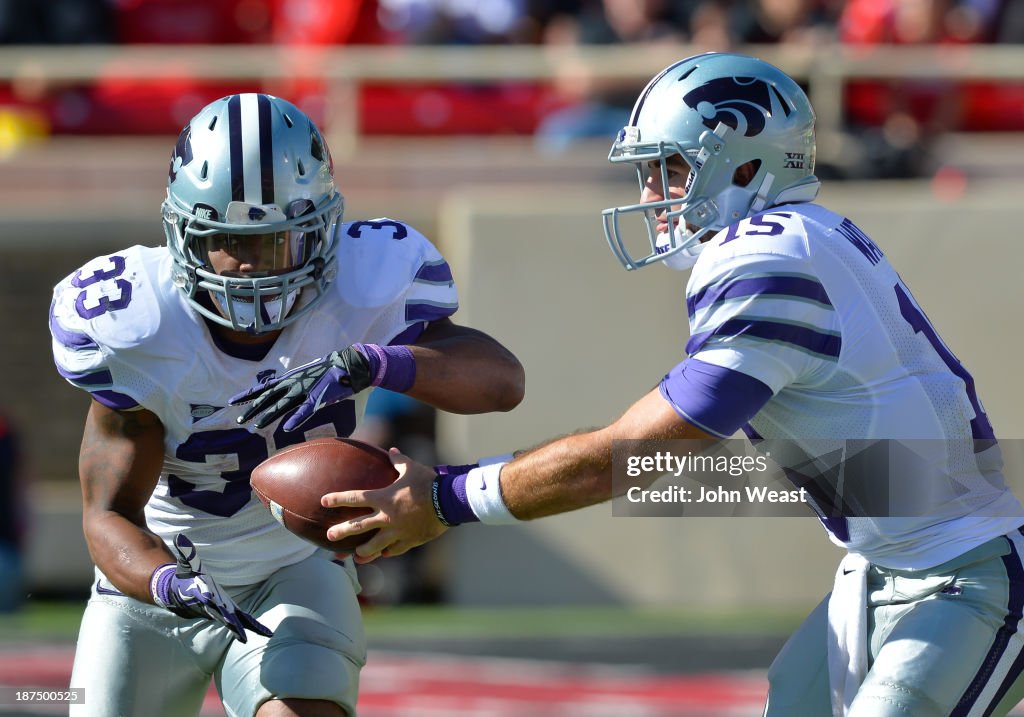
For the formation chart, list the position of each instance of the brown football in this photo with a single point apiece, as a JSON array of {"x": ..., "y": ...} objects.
[{"x": 291, "y": 482}]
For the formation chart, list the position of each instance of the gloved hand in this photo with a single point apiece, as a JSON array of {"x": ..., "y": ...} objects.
[
  {"x": 326, "y": 381},
  {"x": 184, "y": 589}
]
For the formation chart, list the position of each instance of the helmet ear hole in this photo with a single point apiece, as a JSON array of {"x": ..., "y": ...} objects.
[{"x": 745, "y": 173}]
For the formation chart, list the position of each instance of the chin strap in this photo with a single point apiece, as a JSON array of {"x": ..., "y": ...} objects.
[
  {"x": 761, "y": 197},
  {"x": 805, "y": 191}
]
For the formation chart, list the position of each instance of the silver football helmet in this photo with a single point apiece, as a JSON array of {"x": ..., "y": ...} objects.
[
  {"x": 252, "y": 173},
  {"x": 717, "y": 111}
]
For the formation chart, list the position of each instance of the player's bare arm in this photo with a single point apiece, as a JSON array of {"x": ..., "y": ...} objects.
[
  {"x": 119, "y": 465},
  {"x": 575, "y": 471},
  {"x": 462, "y": 370},
  {"x": 566, "y": 474},
  {"x": 451, "y": 367}
]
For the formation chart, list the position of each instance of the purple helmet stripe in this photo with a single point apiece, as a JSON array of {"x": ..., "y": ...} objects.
[
  {"x": 650, "y": 86},
  {"x": 266, "y": 149},
  {"x": 235, "y": 148}
]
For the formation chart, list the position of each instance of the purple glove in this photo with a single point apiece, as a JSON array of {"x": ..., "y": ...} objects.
[
  {"x": 326, "y": 381},
  {"x": 184, "y": 589}
]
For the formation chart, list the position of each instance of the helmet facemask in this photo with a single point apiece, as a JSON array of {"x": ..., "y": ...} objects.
[
  {"x": 709, "y": 200},
  {"x": 296, "y": 253}
]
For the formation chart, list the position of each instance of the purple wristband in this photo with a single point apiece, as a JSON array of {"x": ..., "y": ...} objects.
[
  {"x": 451, "y": 503},
  {"x": 160, "y": 584},
  {"x": 393, "y": 367}
]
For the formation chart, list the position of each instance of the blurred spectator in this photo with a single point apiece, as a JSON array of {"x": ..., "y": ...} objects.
[
  {"x": 190, "y": 22},
  {"x": 326, "y": 22},
  {"x": 12, "y": 520},
  {"x": 454, "y": 22},
  {"x": 592, "y": 106},
  {"x": 802, "y": 22},
  {"x": 712, "y": 25},
  {"x": 1009, "y": 22},
  {"x": 898, "y": 122},
  {"x": 114, "y": 104},
  {"x": 62, "y": 22}
]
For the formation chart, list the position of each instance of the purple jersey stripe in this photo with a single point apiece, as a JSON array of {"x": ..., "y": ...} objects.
[
  {"x": 87, "y": 379},
  {"x": 715, "y": 399},
  {"x": 409, "y": 335},
  {"x": 113, "y": 399},
  {"x": 73, "y": 340},
  {"x": 1015, "y": 575},
  {"x": 785, "y": 287},
  {"x": 439, "y": 273},
  {"x": 751, "y": 432},
  {"x": 423, "y": 311},
  {"x": 818, "y": 342}
]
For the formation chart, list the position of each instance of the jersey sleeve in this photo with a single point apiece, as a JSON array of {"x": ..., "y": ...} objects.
[
  {"x": 96, "y": 312},
  {"x": 765, "y": 314},
  {"x": 390, "y": 264},
  {"x": 717, "y": 400}
]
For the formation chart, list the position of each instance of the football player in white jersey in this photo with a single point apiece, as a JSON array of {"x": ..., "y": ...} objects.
[
  {"x": 800, "y": 330},
  {"x": 194, "y": 578}
]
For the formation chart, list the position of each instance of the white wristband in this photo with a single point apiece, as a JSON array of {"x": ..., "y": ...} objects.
[{"x": 483, "y": 489}]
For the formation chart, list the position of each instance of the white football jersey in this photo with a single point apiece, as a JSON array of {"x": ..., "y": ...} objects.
[
  {"x": 123, "y": 332},
  {"x": 802, "y": 300}
]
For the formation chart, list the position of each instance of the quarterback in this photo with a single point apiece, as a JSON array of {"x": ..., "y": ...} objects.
[
  {"x": 259, "y": 276},
  {"x": 802, "y": 331}
]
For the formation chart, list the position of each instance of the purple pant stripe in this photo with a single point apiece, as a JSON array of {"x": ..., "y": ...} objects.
[{"x": 1015, "y": 574}]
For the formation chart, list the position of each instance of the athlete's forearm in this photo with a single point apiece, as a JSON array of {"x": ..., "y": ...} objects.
[
  {"x": 126, "y": 553},
  {"x": 576, "y": 471},
  {"x": 119, "y": 465},
  {"x": 462, "y": 370},
  {"x": 567, "y": 474}
]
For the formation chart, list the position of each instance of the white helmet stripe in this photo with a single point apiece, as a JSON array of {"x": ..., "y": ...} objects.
[
  {"x": 252, "y": 155},
  {"x": 250, "y": 117}
]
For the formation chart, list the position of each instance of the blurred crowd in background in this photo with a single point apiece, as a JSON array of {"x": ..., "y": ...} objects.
[{"x": 897, "y": 118}]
